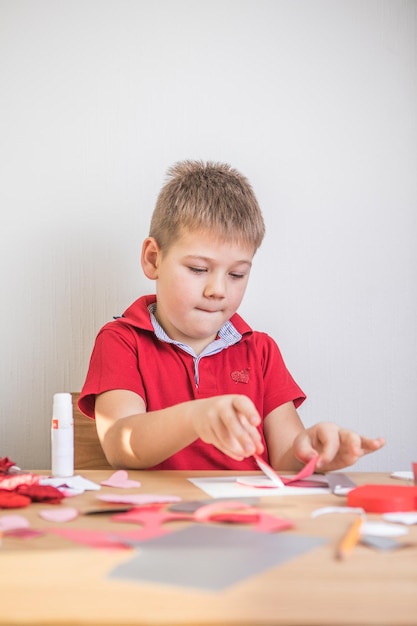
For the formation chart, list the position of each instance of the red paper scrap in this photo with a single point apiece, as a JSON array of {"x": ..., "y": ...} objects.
[
  {"x": 5, "y": 465},
  {"x": 41, "y": 493},
  {"x": 12, "y": 500},
  {"x": 12, "y": 481}
]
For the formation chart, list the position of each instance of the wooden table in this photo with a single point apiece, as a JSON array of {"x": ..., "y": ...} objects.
[{"x": 50, "y": 580}]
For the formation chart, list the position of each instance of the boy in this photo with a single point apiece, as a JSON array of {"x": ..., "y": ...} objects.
[{"x": 180, "y": 381}]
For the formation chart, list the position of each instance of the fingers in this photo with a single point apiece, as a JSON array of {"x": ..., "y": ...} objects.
[
  {"x": 230, "y": 423},
  {"x": 337, "y": 447},
  {"x": 372, "y": 445},
  {"x": 338, "y": 443}
]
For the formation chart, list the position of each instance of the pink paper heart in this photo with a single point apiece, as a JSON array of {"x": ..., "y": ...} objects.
[
  {"x": 61, "y": 514},
  {"x": 120, "y": 479},
  {"x": 12, "y": 522}
]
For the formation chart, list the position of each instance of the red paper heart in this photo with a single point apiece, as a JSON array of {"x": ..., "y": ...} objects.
[
  {"x": 12, "y": 500},
  {"x": 241, "y": 376},
  {"x": 41, "y": 493}
]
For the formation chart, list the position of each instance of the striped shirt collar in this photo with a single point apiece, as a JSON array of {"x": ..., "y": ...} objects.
[{"x": 227, "y": 336}]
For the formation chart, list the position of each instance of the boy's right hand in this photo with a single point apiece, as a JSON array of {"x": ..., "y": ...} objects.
[{"x": 230, "y": 424}]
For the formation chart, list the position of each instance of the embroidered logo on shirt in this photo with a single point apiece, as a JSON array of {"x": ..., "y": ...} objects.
[{"x": 241, "y": 376}]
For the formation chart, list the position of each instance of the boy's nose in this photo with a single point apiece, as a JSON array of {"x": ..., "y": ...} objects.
[{"x": 215, "y": 287}]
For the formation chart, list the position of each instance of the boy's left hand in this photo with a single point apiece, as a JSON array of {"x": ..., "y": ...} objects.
[{"x": 337, "y": 447}]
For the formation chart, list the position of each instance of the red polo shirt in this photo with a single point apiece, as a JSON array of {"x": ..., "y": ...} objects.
[{"x": 128, "y": 355}]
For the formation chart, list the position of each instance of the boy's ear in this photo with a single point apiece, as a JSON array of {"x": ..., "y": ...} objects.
[{"x": 150, "y": 258}]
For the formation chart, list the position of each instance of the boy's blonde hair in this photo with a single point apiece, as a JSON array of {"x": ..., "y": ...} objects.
[{"x": 210, "y": 197}]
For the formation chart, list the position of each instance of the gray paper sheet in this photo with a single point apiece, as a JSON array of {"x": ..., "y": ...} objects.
[{"x": 211, "y": 557}]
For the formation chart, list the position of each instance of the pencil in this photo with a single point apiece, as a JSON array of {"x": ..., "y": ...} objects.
[{"x": 350, "y": 539}]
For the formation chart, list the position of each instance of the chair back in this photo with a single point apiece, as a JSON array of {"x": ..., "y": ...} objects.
[{"x": 88, "y": 453}]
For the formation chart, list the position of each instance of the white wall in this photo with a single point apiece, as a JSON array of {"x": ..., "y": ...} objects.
[{"x": 314, "y": 100}]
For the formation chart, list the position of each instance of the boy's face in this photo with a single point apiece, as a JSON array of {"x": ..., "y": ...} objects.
[{"x": 201, "y": 281}]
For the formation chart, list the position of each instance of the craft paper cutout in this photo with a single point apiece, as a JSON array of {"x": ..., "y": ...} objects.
[
  {"x": 90, "y": 538},
  {"x": 154, "y": 519},
  {"x": 337, "y": 509},
  {"x": 78, "y": 483},
  {"x": 12, "y": 500},
  {"x": 274, "y": 480},
  {"x": 62, "y": 514},
  {"x": 211, "y": 557},
  {"x": 403, "y": 475},
  {"x": 110, "y": 540},
  {"x": 41, "y": 493},
  {"x": 107, "y": 510},
  {"x": 24, "y": 533},
  {"x": 340, "y": 484},
  {"x": 263, "y": 522},
  {"x": 138, "y": 499},
  {"x": 189, "y": 506},
  {"x": 408, "y": 517},
  {"x": 17, "y": 526},
  {"x": 381, "y": 529},
  {"x": 206, "y": 512},
  {"x": 384, "y": 498},
  {"x": 70, "y": 493},
  {"x": 268, "y": 471},
  {"x": 11, "y": 482},
  {"x": 383, "y": 543},
  {"x": 12, "y": 522},
  {"x": 5, "y": 465},
  {"x": 260, "y": 482},
  {"x": 120, "y": 479},
  {"x": 19, "y": 488},
  {"x": 228, "y": 487},
  {"x": 305, "y": 472},
  {"x": 151, "y": 516}
]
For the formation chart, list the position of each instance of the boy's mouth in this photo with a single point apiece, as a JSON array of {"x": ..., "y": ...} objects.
[{"x": 208, "y": 310}]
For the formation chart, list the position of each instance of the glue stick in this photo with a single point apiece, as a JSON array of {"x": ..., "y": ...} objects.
[{"x": 62, "y": 436}]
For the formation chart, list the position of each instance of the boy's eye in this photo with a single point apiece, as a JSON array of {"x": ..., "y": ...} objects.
[
  {"x": 197, "y": 270},
  {"x": 236, "y": 275}
]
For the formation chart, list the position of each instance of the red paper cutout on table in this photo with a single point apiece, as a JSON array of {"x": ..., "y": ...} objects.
[
  {"x": 264, "y": 522},
  {"x": 41, "y": 493},
  {"x": 152, "y": 518},
  {"x": 18, "y": 489},
  {"x": 12, "y": 481},
  {"x": 12, "y": 500},
  {"x": 5, "y": 465}
]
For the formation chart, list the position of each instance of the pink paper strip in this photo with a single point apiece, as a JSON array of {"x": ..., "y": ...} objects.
[{"x": 305, "y": 472}]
